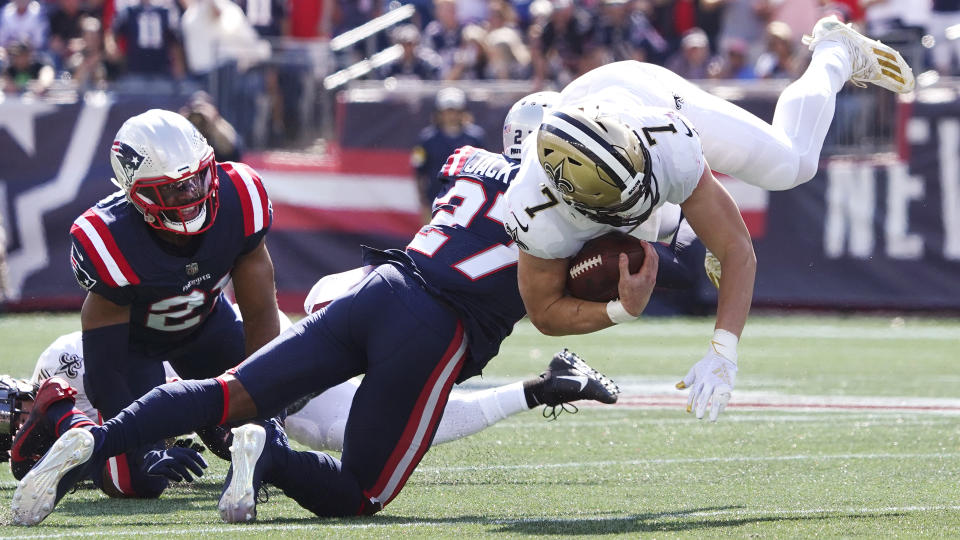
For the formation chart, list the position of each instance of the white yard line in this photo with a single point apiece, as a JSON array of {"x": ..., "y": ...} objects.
[
  {"x": 673, "y": 461},
  {"x": 253, "y": 528},
  {"x": 668, "y": 331}
]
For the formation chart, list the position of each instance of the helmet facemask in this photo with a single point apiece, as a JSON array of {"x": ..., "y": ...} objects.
[
  {"x": 184, "y": 205},
  {"x": 599, "y": 165}
]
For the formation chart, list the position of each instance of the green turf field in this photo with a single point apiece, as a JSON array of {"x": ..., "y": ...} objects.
[{"x": 839, "y": 426}]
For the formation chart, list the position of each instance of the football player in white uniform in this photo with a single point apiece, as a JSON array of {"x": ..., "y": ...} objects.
[{"x": 628, "y": 139}]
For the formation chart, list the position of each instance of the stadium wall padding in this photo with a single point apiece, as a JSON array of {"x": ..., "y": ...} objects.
[{"x": 878, "y": 232}]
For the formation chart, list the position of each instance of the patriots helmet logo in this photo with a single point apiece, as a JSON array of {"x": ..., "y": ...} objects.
[{"x": 129, "y": 159}]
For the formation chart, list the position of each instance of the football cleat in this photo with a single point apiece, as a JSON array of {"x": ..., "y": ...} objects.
[
  {"x": 872, "y": 61},
  {"x": 250, "y": 460},
  {"x": 35, "y": 437},
  {"x": 568, "y": 378},
  {"x": 49, "y": 480}
]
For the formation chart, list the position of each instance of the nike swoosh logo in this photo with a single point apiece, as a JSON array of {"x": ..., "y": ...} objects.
[
  {"x": 522, "y": 228},
  {"x": 582, "y": 379}
]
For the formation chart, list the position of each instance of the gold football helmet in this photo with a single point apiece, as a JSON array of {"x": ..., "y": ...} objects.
[{"x": 599, "y": 165}]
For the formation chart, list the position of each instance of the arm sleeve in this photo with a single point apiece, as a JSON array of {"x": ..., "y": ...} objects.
[{"x": 105, "y": 353}]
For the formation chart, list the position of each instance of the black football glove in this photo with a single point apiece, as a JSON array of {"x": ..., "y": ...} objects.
[{"x": 175, "y": 463}]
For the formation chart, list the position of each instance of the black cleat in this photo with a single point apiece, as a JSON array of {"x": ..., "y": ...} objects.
[{"x": 568, "y": 378}]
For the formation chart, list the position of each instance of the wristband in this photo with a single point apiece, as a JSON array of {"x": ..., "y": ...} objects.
[
  {"x": 724, "y": 343},
  {"x": 619, "y": 314}
]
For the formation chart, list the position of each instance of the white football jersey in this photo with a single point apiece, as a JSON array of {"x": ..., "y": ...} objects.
[{"x": 546, "y": 227}]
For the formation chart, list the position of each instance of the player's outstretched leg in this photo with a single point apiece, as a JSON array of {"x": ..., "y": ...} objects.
[
  {"x": 568, "y": 378},
  {"x": 67, "y": 462},
  {"x": 238, "y": 502},
  {"x": 872, "y": 61}
]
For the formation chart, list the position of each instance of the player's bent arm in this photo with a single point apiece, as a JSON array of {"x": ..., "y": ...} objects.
[
  {"x": 542, "y": 283},
  {"x": 106, "y": 337},
  {"x": 715, "y": 218},
  {"x": 257, "y": 297}
]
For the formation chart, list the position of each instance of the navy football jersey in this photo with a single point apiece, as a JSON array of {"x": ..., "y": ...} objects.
[
  {"x": 465, "y": 256},
  {"x": 115, "y": 254},
  {"x": 150, "y": 31}
]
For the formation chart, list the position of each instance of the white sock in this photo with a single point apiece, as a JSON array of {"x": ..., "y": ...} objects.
[
  {"x": 805, "y": 109},
  {"x": 321, "y": 422},
  {"x": 470, "y": 412}
]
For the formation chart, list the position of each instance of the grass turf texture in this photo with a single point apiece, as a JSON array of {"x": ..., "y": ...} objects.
[{"x": 631, "y": 471}]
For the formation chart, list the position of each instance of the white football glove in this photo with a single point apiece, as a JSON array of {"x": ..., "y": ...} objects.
[{"x": 711, "y": 379}]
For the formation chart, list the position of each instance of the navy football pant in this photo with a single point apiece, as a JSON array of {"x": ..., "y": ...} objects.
[
  {"x": 217, "y": 346},
  {"x": 410, "y": 348}
]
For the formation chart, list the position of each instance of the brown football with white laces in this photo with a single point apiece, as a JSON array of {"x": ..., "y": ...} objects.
[{"x": 594, "y": 272}]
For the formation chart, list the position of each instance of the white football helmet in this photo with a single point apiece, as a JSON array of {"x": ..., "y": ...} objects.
[
  {"x": 167, "y": 170},
  {"x": 524, "y": 118},
  {"x": 598, "y": 164}
]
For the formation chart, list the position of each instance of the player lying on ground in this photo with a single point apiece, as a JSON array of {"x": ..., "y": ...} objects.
[
  {"x": 628, "y": 138},
  {"x": 317, "y": 423},
  {"x": 418, "y": 321}
]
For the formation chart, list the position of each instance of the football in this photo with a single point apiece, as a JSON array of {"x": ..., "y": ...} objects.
[{"x": 594, "y": 272}]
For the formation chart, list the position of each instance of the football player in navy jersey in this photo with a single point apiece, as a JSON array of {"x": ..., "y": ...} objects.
[
  {"x": 417, "y": 321},
  {"x": 154, "y": 258}
]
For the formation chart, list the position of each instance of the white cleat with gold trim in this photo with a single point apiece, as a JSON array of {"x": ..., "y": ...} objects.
[{"x": 873, "y": 62}]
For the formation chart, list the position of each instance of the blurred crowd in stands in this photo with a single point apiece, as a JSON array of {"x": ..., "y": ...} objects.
[{"x": 139, "y": 44}]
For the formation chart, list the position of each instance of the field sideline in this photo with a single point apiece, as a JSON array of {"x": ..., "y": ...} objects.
[{"x": 839, "y": 427}]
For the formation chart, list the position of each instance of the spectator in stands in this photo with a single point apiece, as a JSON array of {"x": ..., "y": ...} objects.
[
  {"x": 65, "y": 32},
  {"x": 471, "y": 59},
  {"x": 733, "y": 62},
  {"x": 692, "y": 61},
  {"x": 268, "y": 17},
  {"x": 502, "y": 15},
  {"x": 25, "y": 71},
  {"x": 444, "y": 34},
  {"x": 946, "y": 50},
  {"x": 743, "y": 19},
  {"x": 472, "y": 11},
  {"x": 627, "y": 34},
  {"x": 560, "y": 45},
  {"x": 282, "y": 80},
  {"x": 221, "y": 43},
  {"x": 349, "y": 14},
  {"x": 203, "y": 114},
  {"x": 780, "y": 60},
  {"x": 93, "y": 66},
  {"x": 310, "y": 18},
  {"x": 23, "y": 21},
  {"x": 509, "y": 57},
  {"x": 451, "y": 128},
  {"x": 417, "y": 61},
  {"x": 150, "y": 33},
  {"x": 899, "y": 20}
]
